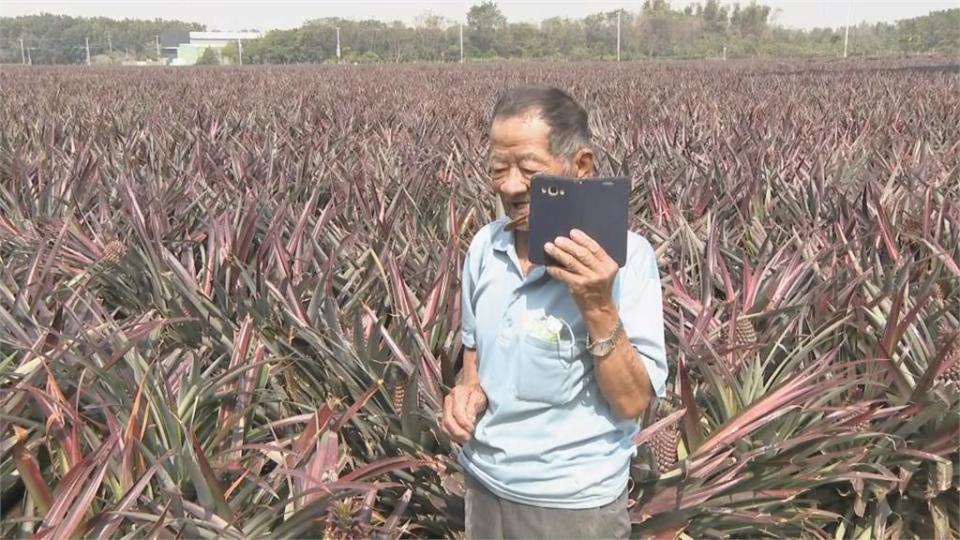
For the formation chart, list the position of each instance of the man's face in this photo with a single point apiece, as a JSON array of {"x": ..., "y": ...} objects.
[{"x": 519, "y": 149}]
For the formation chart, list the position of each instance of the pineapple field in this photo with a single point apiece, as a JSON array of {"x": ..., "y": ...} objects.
[{"x": 229, "y": 298}]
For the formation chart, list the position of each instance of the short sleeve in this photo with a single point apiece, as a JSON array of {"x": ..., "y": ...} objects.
[
  {"x": 641, "y": 310},
  {"x": 468, "y": 318}
]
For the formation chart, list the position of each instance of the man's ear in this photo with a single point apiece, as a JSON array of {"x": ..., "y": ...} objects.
[{"x": 583, "y": 163}]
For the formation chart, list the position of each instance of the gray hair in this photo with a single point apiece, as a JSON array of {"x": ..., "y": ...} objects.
[{"x": 568, "y": 122}]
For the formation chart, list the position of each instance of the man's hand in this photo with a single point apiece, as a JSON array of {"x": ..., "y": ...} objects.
[
  {"x": 586, "y": 269},
  {"x": 589, "y": 274},
  {"x": 461, "y": 408}
]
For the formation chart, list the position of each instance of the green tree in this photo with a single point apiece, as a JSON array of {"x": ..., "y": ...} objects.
[
  {"x": 937, "y": 31},
  {"x": 657, "y": 30},
  {"x": 286, "y": 47},
  {"x": 750, "y": 20},
  {"x": 563, "y": 37},
  {"x": 484, "y": 21},
  {"x": 714, "y": 17},
  {"x": 526, "y": 41},
  {"x": 231, "y": 52},
  {"x": 655, "y": 27},
  {"x": 430, "y": 40},
  {"x": 208, "y": 58},
  {"x": 60, "y": 39},
  {"x": 600, "y": 30}
]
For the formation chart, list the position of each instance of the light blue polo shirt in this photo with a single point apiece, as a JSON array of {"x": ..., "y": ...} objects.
[{"x": 548, "y": 437}]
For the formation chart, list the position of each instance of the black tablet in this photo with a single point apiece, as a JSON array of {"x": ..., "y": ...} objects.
[{"x": 597, "y": 206}]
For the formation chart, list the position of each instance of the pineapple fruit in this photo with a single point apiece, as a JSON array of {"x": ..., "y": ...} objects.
[
  {"x": 664, "y": 442},
  {"x": 952, "y": 373},
  {"x": 399, "y": 392},
  {"x": 744, "y": 338},
  {"x": 341, "y": 522},
  {"x": 112, "y": 253}
]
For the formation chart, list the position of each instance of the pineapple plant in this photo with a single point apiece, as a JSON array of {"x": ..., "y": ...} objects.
[
  {"x": 110, "y": 257},
  {"x": 306, "y": 214},
  {"x": 341, "y": 523}
]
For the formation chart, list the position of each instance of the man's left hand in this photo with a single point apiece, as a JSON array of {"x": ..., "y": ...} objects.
[{"x": 586, "y": 269}]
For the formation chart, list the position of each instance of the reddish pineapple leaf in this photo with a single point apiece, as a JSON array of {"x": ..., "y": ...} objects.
[
  {"x": 383, "y": 466},
  {"x": 30, "y": 472},
  {"x": 356, "y": 406},
  {"x": 322, "y": 468},
  {"x": 691, "y": 416}
]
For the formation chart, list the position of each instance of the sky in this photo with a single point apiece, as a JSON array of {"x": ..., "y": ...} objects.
[{"x": 266, "y": 15}]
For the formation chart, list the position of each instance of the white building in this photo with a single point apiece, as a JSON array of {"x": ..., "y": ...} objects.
[{"x": 185, "y": 48}]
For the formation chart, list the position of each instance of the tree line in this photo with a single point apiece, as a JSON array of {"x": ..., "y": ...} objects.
[
  {"x": 707, "y": 29},
  {"x": 60, "y": 39}
]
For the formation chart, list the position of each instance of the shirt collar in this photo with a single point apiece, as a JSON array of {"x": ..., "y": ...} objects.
[
  {"x": 502, "y": 238},
  {"x": 503, "y": 241}
]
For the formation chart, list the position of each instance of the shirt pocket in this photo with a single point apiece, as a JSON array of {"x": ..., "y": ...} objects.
[{"x": 548, "y": 372}]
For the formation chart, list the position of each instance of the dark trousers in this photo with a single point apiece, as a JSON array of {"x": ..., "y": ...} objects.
[{"x": 489, "y": 516}]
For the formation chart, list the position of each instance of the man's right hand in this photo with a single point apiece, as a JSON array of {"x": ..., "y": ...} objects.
[{"x": 461, "y": 408}]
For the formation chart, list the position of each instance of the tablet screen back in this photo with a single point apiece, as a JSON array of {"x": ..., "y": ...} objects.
[{"x": 597, "y": 206}]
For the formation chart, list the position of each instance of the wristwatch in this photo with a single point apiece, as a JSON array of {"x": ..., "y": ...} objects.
[{"x": 603, "y": 347}]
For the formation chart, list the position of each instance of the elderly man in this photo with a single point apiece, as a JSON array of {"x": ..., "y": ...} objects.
[{"x": 559, "y": 361}]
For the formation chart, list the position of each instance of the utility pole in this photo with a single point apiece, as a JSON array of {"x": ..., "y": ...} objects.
[
  {"x": 846, "y": 32},
  {"x": 338, "y": 44},
  {"x": 110, "y": 44},
  {"x": 461, "y": 43},
  {"x": 618, "y": 36},
  {"x": 157, "y": 39},
  {"x": 29, "y": 58},
  {"x": 88, "y": 50},
  {"x": 724, "y": 53},
  {"x": 240, "y": 50},
  {"x": 23, "y": 56}
]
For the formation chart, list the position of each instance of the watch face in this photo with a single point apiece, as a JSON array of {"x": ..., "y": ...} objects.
[{"x": 601, "y": 349}]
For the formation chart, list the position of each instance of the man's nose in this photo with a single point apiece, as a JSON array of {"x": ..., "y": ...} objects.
[{"x": 515, "y": 183}]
